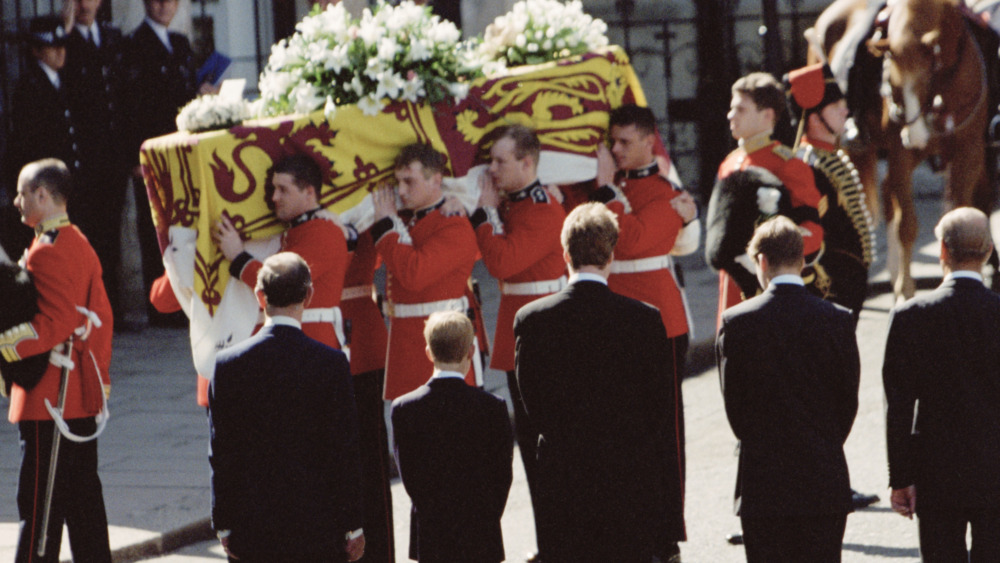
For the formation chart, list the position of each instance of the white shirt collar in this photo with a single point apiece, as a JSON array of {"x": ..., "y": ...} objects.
[
  {"x": 282, "y": 320},
  {"x": 92, "y": 30},
  {"x": 965, "y": 274},
  {"x": 585, "y": 276},
  {"x": 439, "y": 374},
  {"x": 52, "y": 74},
  {"x": 790, "y": 279},
  {"x": 161, "y": 31}
]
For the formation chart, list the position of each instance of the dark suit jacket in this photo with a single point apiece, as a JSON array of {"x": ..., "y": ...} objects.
[
  {"x": 286, "y": 472},
  {"x": 94, "y": 79},
  {"x": 42, "y": 125},
  {"x": 160, "y": 84},
  {"x": 789, "y": 367},
  {"x": 598, "y": 385},
  {"x": 943, "y": 351},
  {"x": 454, "y": 448}
]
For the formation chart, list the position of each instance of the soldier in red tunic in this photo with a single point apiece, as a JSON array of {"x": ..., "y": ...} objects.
[
  {"x": 758, "y": 102},
  {"x": 649, "y": 225},
  {"x": 848, "y": 226},
  {"x": 313, "y": 233},
  {"x": 429, "y": 258},
  {"x": 368, "y": 339},
  {"x": 71, "y": 302},
  {"x": 518, "y": 238}
]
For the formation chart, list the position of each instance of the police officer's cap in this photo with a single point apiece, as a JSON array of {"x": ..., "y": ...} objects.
[{"x": 46, "y": 31}]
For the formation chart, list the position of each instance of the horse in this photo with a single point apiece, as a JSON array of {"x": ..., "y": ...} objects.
[{"x": 930, "y": 99}]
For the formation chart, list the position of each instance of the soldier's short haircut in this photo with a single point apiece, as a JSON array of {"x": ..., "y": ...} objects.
[
  {"x": 303, "y": 169},
  {"x": 631, "y": 114},
  {"x": 432, "y": 160},
  {"x": 965, "y": 232},
  {"x": 589, "y": 235},
  {"x": 449, "y": 335},
  {"x": 779, "y": 240},
  {"x": 526, "y": 142},
  {"x": 765, "y": 91},
  {"x": 285, "y": 279},
  {"x": 50, "y": 173}
]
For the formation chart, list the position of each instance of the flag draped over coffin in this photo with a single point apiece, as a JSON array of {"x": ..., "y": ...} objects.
[{"x": 193, "y": 179}]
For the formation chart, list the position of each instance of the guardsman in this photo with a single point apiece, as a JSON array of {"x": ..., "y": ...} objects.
[
  {"x": 94, "y": 52},
  {"x": 518, "y": 238},
  {"x": 782, "y": 185},
  {"x": 72, "y": 303},
  {"x": 42, "y": 122},
  {"x": 429, "y": 258},
  {"x": 848, "y": 230},
  {"x": 649, "y": 226},
  {"x": 313, "y": 233},
  {"x": 368, "y": 339}
]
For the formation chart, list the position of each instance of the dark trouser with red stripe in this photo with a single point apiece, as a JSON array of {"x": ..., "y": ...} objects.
[
  {"x": 666, "y": 543},
  {"x": 527, "y": 442},
  {"x": 77, "y": 499},
  {"x": 375, "y": 468}
]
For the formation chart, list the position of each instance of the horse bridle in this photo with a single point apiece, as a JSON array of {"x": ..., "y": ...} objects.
[{"x": 939, "y": 77}]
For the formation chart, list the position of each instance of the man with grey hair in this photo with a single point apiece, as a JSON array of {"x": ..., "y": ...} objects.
[
  {"x": 598, "y": 385},
  {"x": 286, "y": 475},
  {"x": 942, "y": 353}
]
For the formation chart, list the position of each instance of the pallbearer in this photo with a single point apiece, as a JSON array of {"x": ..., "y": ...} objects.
[{"x": 517, "y": 226}]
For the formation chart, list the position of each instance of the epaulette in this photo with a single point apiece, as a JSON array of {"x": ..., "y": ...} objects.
[{"x": 784, "y": 152}]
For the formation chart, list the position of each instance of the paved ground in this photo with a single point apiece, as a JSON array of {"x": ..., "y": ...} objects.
[{"x": 155, "y": 470}]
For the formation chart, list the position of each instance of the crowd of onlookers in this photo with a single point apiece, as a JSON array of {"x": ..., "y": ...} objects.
[{"x": 89, "y": 95}]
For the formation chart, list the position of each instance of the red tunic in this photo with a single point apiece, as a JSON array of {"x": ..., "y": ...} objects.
[
  {"x": 164, "y": 300},
  {"x": 67, "y": 275},
  {"x": 428, "y": 260},
  {"x": 369, "y": 337},
  {"x": 649, "y": 230},
  {"x": 321, "y": 243},
  {"x": 797, "y": 177},
  {"x": 525, "y": 248}
]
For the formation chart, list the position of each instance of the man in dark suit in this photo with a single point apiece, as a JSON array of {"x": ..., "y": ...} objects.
[
  {"x": 598, "y": 384},
  {"x": 454, "y": 448},
  {"x": 789, "y": 367},
  {"x": 942, "y": 352},
  {"x": 286, "y": 472},
  {"x": 94, "y": 53},
  {"x": 160, "y": 72}
]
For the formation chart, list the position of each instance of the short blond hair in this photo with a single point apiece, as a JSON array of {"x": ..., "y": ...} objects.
[{"x": 449, "y": 336}]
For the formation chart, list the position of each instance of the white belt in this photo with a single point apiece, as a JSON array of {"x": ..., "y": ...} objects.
[
  {"x": 357, "y": 292},
  {"x": 410, "y": 310},
  {"x": 330, "y": 315},
  {"x": 640, "y": 265},
  {"x": 533, "y": 288}
]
